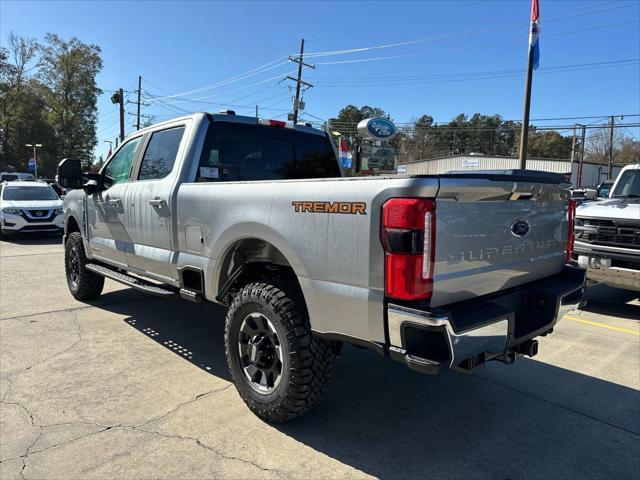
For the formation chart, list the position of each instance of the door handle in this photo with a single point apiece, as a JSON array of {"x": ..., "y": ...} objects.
[{"x": 158, "y": 202}]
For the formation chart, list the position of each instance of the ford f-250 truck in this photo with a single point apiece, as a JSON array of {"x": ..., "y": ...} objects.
[
  {"x": 438, "y": 272},
  {"x": 607, "y": 233}
]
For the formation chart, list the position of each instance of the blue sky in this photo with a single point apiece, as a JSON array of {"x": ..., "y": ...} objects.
[{"x": 183, "y": 46}]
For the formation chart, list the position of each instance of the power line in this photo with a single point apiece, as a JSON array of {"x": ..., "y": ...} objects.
[
  {"x": 470, "y": 47},
  {"x": 468, "y": 76},
  {"x": 236, "y": 78},
  {"x": 506, "y": 26}
]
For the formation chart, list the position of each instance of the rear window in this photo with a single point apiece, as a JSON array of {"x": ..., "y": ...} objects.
[
  {"x": 238, "y": 152},
  {"x": 29, "y": 193},
  {"x": 9, "y": 178}
]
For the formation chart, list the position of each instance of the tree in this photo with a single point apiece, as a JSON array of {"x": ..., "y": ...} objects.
[
  {"x": 48, "y": 95},
  {"x": 68, "y": 75},
  {"x": 625, "y": 149},
  {"x": 21, "y": 107}
]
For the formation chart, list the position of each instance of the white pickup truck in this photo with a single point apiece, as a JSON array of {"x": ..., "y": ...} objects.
[
  {"x": 436, "y": 271},
  {"x": 608, "y": 234}
]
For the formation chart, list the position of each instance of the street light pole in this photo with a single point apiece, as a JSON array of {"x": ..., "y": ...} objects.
[{"x": 35, "y": 160}]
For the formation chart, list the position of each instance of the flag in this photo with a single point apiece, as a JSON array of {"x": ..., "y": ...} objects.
[
  {"x": 109, "y": 154},
  {"x": 534, "y": 33},
  {"x": 345, "y": 154}
]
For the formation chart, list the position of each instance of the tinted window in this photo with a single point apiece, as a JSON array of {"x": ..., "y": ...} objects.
[
  {"x": 9, "y": 178},
  {"x": 29, "y": 193},
  {"x": 119, "y": 167},
  {"x": 237, "y": 152},
  {"x": 315, "y": 157},
  {"x": 161, "y": 154}
]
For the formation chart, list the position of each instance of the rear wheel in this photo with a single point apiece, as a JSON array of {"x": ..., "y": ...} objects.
[
  {"x": 83, "y": 284},
  {"x": 279, "y": 368}
]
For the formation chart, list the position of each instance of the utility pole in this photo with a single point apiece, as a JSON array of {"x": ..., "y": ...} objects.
[
  {"x": 118, "y": 98},
  {"x": 610, "y": 170},
  {"x": 139, "y": 92},
  {"x": 573, "y": 146},
  {"x": 299, "y": 82},
  {"x": 531, "y": 65},
  {"x": 582, "y": 142}
]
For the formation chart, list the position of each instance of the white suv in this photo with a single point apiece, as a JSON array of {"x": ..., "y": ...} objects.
[{"x": 30, "y": 207}]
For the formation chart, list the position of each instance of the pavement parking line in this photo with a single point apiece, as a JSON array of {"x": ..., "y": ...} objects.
[{"x": 603, "y": 325}]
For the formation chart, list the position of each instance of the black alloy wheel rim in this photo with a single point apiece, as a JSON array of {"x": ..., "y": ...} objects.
[
  {"x": 74, "y": 266},
  {"x": 260, "y": 353}
]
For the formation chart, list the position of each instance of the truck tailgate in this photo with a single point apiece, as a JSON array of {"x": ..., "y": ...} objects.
[{"x": 495, "y": 232}]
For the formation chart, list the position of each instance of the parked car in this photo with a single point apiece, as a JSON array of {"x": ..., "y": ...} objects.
[
  {"x": 16, "y": 177},
  {"x": 435, "y": 271},
  {"x": 29, "y": 207},
  {"x": 607, "y": 234}
]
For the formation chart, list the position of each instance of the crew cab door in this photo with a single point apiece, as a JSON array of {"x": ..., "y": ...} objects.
[
  {"x": 107, "y": 233},
  {"x": 148, "y": 219}
]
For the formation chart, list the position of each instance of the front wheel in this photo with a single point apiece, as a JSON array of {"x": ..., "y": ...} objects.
[
  {"x": 83, "y": 284},
  {"x": 279, "y": 368}
]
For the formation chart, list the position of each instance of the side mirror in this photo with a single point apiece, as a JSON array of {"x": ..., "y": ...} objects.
[
  {"x": 591, "y": 194},
  {"x": 91, "y": 186},
  {"x": 69, "y": 173}
]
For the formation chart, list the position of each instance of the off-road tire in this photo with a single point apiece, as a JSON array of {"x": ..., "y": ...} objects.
[
  {"x": 88, "y": 285},
  {"x": 307, "y": 360}
]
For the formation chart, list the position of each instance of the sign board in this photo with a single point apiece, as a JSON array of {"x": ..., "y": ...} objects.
[
  {"x": 402, "y": 169},
  {"x": 471, "y": 163},
  {"x": 32, "y": 164},
  {"x": 377, "y": 129},
  {"x": 378, "y": 158}
]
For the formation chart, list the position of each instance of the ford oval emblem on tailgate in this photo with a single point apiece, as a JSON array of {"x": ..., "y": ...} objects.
[{"x": 520, "y": 228}]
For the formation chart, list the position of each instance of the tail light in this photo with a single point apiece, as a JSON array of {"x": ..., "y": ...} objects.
[
  {"x": 571, "y": 216},
  {"x": 408, "y": 235}
]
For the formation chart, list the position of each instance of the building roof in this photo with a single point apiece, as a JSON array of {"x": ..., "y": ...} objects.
[{"x": 467, "y": 155}]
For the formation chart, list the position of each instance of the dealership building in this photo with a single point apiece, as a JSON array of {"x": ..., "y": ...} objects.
[{"x": 592, "y": 173}]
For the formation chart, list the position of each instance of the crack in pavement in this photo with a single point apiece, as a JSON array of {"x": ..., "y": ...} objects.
[
  {"x": 31, "y": 254},
  {"x": 201, "y": 444},
  {"x": 138, "y": 427},
  {"x": 47, "y": 359}
]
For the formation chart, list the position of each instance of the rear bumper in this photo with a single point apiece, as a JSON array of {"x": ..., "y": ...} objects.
[{"x": 497, "y": 327}]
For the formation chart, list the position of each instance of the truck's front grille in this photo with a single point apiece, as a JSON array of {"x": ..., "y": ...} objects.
[{"x": 617, "y": 233}]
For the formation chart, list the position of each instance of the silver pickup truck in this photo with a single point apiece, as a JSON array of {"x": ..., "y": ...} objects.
[{"x": 438, "y": 272}]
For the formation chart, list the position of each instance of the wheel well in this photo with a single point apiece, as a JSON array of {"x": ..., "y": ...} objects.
[
  {"x": 248, "y": 260},
  {"x": 72, "y": 226}
]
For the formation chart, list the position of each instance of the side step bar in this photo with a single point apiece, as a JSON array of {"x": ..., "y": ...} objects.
[{"x": 133, "y": 282}]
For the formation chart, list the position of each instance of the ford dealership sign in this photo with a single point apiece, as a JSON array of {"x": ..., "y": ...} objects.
[{"x": 377, "y": 129}]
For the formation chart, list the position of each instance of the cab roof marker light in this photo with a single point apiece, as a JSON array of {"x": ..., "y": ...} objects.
[{"x": 272, "y": 123}]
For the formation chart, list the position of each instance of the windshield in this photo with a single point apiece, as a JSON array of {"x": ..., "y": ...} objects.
[
  {"x": 628, "y": 184},
  {"x": 29, "y": 193}
]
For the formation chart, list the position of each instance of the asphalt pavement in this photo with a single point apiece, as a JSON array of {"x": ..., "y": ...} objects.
[{"x": 133, "y": 386}]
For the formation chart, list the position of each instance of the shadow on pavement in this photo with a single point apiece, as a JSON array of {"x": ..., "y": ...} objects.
[
  {"x": 529, "y": 420},
  {"x": 605, "y": 300},
  {"x": 192, "y": 331}
]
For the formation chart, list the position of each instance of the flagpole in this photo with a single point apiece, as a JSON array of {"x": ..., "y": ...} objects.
[{"x": 524, "y": 135}]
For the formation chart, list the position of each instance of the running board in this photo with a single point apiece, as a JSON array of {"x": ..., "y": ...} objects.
[{"x": 133, "y": 282}]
